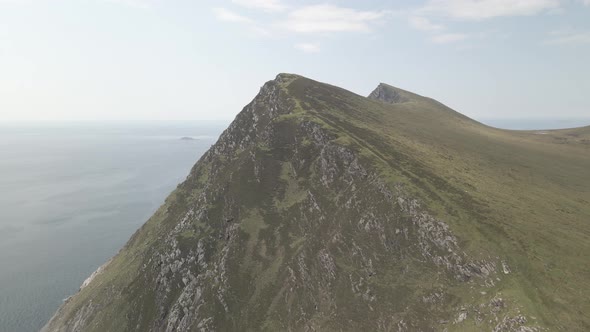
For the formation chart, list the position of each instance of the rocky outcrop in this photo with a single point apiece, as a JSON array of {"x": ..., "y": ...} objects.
[{"x": 388, "y": 94}]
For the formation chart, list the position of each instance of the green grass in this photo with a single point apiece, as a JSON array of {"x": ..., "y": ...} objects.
[{"x": 522, "y": 197}]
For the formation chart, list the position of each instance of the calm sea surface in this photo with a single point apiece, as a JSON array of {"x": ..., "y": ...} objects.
[
  {"x": 536, "y": 124},
  {"x": 72, "y": 195}
]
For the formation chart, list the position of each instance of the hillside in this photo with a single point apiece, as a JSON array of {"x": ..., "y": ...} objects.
[{"x": 319, "y": 209}]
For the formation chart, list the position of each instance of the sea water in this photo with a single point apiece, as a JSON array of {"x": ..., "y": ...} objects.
[{"x": 72, "y": 194}]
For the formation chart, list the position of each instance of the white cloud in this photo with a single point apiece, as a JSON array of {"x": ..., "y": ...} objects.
[
  {"x": 259, "y": 31},
  {"x": 308, "y": 47},
  {"x": 486, "y": 9},
  {"x": 448, "y": 38},
  {"x": 131, "y": 3},
  {"x": 265, "y": 5},
  {"x": 438, "y": 33},
  {"x": 568, "y": 36},
  {"x": 229, "y": 16},
  {"x": 330, "y": 18},
  {"x": 424, "y": 24},
  {"x": 134, "y": 3},
  {"x": 253, "y": 27}
]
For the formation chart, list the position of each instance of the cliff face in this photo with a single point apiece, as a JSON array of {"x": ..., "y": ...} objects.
[
  {"x": 389, "y": 94},
  {"x": 304, "y": 216}
]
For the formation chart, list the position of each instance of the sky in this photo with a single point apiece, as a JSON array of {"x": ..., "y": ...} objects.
[{"x": 154, "y": 60}]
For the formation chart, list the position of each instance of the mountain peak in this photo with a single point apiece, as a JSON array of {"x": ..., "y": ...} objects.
[
  {"x": 391, "y": 95},
  {"x": 286, "y": 77},
  {"x": 319, "y": 209}
]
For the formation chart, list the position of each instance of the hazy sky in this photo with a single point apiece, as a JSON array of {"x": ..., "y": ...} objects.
[{"x": 192, "y": 60}]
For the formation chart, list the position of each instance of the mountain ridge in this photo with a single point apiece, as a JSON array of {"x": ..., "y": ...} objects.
[{"x": 321, "y": 209}]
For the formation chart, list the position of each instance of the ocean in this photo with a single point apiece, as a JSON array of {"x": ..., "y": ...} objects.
[
  {"x": 71, "y": 195},
  {"x": 536, "y": 123}
]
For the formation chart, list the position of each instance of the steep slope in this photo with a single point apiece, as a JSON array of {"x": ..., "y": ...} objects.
[{"x": 319, "y": 209}]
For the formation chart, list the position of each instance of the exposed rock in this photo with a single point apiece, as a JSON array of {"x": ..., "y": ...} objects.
[
  {"x": 94, "y": 274},
  {"x": 388, "y": 94},
  {"x": 462, "y": 316},
  {"x": 514, "y": 324}
]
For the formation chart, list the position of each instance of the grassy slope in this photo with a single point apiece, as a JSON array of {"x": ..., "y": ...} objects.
[
  {"x": 528, "y": 192},
  {"x": 523, "y": 196}
]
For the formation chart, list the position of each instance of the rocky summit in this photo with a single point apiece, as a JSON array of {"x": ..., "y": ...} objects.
[{"x": 322, "y": 210}]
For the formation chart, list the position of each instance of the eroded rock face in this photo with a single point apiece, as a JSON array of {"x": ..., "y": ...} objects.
[
  {"x": 281, "y": 226},
  {"x": 388, "y": 94}
]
